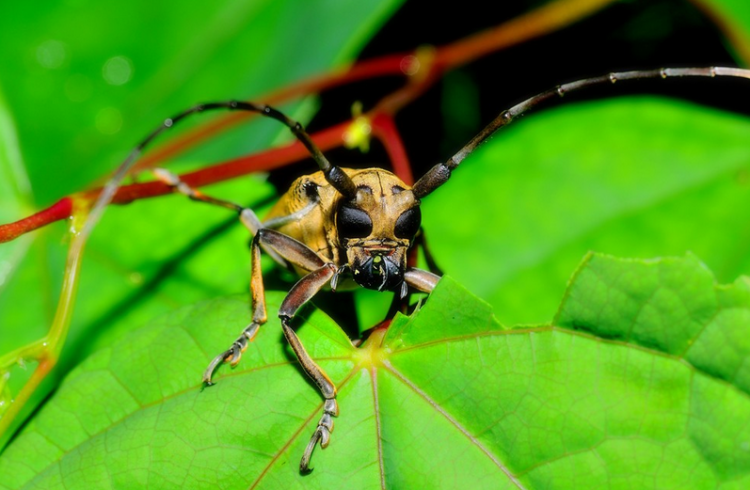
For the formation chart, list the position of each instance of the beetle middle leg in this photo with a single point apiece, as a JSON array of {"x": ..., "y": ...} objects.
[
  {"x": 258, "y": 301},
  {"x": 252, "y": 223}
]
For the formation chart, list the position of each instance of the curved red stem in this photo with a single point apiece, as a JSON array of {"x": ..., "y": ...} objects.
[
  {"x": 62, "y": 209},
  {"x": 266, "y": 160},
  {"x": 384, "y": 128}
]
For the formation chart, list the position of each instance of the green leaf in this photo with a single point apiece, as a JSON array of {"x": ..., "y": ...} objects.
[
  {"x": 636, "y": 177},
  {"x": 625, "y": 390}
]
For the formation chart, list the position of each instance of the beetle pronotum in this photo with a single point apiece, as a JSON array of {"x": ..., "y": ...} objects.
[{"x": 344, "y": 227}]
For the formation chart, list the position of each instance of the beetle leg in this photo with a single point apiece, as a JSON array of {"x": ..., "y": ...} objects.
[
  {"x": 416, "y": 278},
  {"x": 305, "y": 289},
  {"x": 247, "y": 215},
  {"x": 401, "y": 298},
  {"x": 280, "y": 221},
  {"x": 290, "y": 250},
  {"x": 421, "y": 280},
  {"x": 258, "y": 296},
  {"x": 180, "y": 186},
  {"x": 293, "y": 251}
]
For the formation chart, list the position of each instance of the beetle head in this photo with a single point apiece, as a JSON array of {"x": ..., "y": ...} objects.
[{"x": 377, "y": 228}]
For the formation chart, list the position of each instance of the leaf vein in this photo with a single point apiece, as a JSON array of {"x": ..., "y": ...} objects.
[{"x": 513, "y": 479}]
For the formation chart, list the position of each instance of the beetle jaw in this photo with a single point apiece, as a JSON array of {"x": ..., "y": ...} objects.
[{"x": 378, "y": 266}]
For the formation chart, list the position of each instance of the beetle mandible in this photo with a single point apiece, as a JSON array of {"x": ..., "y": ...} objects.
[{"x": 346, "y": 228}]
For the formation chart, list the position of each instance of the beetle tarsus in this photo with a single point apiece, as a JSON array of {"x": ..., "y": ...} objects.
[
  {"x": 304, "y": 464},
  {"x": 231, "y": 355},
  {"x": 322, "y": 434},
  {"x": 236, "y": 354}
]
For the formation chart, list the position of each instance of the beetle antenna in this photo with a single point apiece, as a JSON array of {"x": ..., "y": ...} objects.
[
  {"x": 333, "y": 174},
  {"x": 441, "y": 172}
]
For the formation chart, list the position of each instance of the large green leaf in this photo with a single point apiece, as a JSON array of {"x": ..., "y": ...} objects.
[
  {"x": 636, "y": 177},
  {"x": 625, "y": 389}
]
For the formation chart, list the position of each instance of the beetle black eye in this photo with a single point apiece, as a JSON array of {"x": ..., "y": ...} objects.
[
  {"x": 407, "y": 225},
  {"x": 353, "y": 223}
]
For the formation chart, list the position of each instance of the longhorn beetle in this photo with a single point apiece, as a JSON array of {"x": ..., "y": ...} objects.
[{"x": 344, "y": 227}]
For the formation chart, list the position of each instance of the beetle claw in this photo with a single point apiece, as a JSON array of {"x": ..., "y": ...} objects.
[
  {"x": 322, "y": 434},
  {"x": 231, "y": 355},
  {"x": 212, "y": 366}
]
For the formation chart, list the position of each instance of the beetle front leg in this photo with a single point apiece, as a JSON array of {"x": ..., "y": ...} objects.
[
  {"x": 305, "y": 289},
  {"x": 291, "y": 251},
  {"x": 421, "y": 280}
]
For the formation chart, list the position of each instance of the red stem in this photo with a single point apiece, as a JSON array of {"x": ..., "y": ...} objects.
[
  {"x": 384, "y": 128},
  {"x": 376, "y": 67},
  {"x": 265, "y": 160},
  {"x": 62, "y": 209}
]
